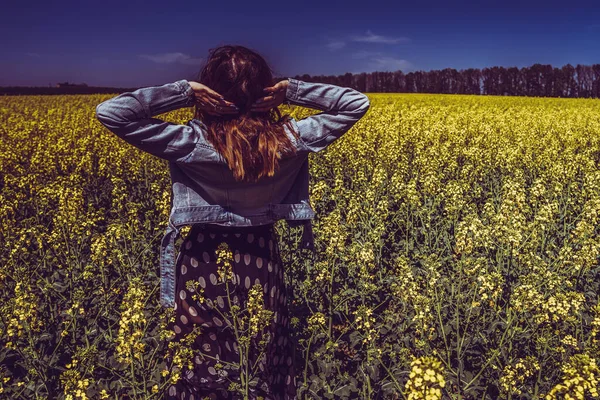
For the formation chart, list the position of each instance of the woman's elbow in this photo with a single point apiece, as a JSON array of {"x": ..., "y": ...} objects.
[
  {"x": 365, "y": 106},
  {"x": 112, "y": 115},
  {"x": 102, "y": 114},
  {"x": 109, "y": 119}
]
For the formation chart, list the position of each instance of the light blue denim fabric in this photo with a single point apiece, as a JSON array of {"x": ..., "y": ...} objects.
[{"x": 203, "y": 188}]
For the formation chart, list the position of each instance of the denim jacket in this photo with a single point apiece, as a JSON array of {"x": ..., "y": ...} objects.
[{"x": 203, "y": 188}]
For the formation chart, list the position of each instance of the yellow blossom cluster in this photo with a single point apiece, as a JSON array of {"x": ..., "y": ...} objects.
[
  {"x": 365, "y": 323},
  {"x": 531, "y": 301},
  {"x": 515, "y": 374},
  {"x": 181, "y": 354},
  {"x": 321, "y": 271},
  {"x": 224, "y": 262},
  {"x": 74, "y": 386},
  {"x": 259, "y": 317},
  {"x": 595, "y": 332},
  {"x": 581, "y": 379},
  {"x": 405, "y": 287},
  {"x": 426, "y": 379},
  {"x": 130, "y": 345},
  {"x": 490, "y": 286},
  {"x": 316, "y": 321},
  {"x": 21, "y": 314},
  {"x": 197, "y": 291}
]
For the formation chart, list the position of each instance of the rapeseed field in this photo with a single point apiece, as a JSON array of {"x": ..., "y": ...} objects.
[{"x": 457, "y": 254}]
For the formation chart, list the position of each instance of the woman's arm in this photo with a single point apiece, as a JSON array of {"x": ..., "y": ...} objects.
[
  {"x": 342, "y": 108},
  {"x": 129, "y": 116}
]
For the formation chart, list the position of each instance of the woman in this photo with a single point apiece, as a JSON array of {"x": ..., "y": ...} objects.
[{"x": 236, "y": 168}]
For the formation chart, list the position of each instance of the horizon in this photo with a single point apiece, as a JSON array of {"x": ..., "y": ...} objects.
[
  {"x": 119, "y": 46},
  {"x": 54, "y": 84}
]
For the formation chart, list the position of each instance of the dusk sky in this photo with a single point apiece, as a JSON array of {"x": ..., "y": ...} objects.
[{"x": 143, "y": 43}]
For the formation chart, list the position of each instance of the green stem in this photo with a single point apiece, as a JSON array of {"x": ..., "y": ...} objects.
[
  {"x": 306, "y": 357},
  {"x": 396, "y": 383},
  {"x": 496, "y": 353}
]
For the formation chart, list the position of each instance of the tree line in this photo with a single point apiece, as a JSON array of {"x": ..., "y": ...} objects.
[
  {"x": 538, "y": 80},
  {"x": 44, "y": 90}
]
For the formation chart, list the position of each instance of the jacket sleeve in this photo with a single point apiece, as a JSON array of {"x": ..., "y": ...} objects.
[
  {"x": 342, "y": 106},
  {"x": 129, "y": 116}
]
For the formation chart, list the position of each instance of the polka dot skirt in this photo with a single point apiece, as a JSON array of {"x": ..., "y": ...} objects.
[{"x": 256, "y": 260}]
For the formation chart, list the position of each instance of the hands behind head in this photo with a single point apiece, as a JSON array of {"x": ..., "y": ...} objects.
[
  {"x": 213, "y": 103},
  {"x": 275, "y": 97}
]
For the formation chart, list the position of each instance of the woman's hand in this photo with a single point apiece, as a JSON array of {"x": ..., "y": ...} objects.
[
  {"x": 275, "y": 97},
  {"x": 212, "y": 102}
]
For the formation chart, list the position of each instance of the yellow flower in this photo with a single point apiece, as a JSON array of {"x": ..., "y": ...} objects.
[
  {"x": 581, "y": 376},
  {"x": 425, "y": 379},
  {"x": 224, "y": 262},
  {"x": 316, "y": 320},
  {"x": 129, "y": 339}
]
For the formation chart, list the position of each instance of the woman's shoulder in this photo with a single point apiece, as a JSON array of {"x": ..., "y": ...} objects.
[{"x": 204, "y": 151}]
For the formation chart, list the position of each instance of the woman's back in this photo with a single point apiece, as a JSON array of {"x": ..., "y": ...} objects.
[{"x": 214, "y": 183}]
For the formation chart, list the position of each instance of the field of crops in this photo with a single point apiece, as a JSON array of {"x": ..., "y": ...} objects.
[{"x": 458, "y": 254}]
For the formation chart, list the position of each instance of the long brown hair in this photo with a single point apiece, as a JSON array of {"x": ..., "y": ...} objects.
[{"x": 252, "y": 143}]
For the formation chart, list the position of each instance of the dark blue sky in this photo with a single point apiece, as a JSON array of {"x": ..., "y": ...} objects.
[{"x": 143, "y": 43}]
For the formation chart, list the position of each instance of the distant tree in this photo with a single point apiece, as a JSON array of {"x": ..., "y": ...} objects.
[
  {"x": 585, "y": 80},
  {"x": 596, "y": 80},
  {"x": 421, "y": 82},
  {"x": 377, "y": 81},
  {"x": 346, "y": 80},
  {"x": 490, "y": 81},
  {"x": 509, "y": 81},
  {"x": 533, "y": 80},
  {"x": 558, "y": 83},
  {"x": 409, "y": 82},
  {"x": 547, "y": 80},
  {"x": 519, "y": 81},
  {"x": 361, "y": 82},
  {"x": 432, "y": 82},
  {"x": 389, "y": 83},
  {"x": 472, "y": 78},
  {"x": 397, "y": 81},
  {"x": 565, "y": 81}
]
